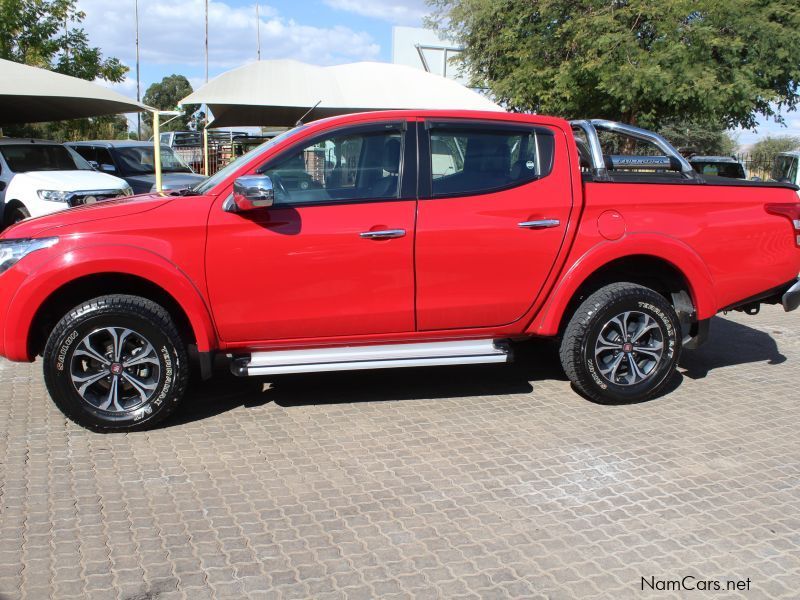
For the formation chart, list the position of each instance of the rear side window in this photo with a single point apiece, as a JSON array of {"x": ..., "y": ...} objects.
[{"x": 474, "y": 160}]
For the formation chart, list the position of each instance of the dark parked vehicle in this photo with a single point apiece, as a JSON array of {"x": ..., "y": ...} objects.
[
  {"x": 721, "y": 166},
  {"x": 134, "y": 162}
]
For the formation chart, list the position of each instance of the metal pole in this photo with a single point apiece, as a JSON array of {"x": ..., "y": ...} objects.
[
  {"x": 157, "y": 150},
  {"x": 138, "y": 88},
  {"x": 258, "y": 32},
  {"x": 206, "y": 41},
  {"x": 205, "y": 150}
]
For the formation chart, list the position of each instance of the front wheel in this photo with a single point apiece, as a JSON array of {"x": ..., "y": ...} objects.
[
  {"x": 16, "y": 214},
  {"x": 622, "y": 344},
  {"x": 116, "y": 363}
]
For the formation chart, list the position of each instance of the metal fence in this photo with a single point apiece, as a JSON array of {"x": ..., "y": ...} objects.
[{"x": 755, "y": 165}]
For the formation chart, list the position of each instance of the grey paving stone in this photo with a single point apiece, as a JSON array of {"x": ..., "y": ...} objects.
[{"x": 473, "y": 482}]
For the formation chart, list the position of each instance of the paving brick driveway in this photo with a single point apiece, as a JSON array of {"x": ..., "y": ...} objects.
[{"x": 475, "y": 482}]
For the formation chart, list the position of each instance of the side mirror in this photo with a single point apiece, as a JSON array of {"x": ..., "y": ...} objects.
[
  {"x": 108, "y": 168},
  {"x": 253, "y": 191},
  {"x": 94, "y": 165}
]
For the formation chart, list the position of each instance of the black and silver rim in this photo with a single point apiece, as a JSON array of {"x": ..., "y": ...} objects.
[
  {"x": 629, "y": 348},
  {"x": 115, "y": 370}
]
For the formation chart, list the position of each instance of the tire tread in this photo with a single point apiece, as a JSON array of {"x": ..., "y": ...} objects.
[{"x": 141, "y": 307}]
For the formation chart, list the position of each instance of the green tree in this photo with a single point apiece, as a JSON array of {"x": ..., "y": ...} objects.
[
  {"x": 638, "y": 61},
  {"x": 42, "y": 33},
  {"x": 109, "y": 127},
  {"x": 697, "y": 137},
  {"x": 165, "y": 95},
  {"x": 765, "y": 150}
]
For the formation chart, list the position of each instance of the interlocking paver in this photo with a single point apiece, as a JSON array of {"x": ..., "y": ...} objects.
[{"x": 474, "y": 482}]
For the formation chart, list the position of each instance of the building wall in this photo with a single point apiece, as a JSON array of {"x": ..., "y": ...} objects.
[{"x": 434, "y": 49}]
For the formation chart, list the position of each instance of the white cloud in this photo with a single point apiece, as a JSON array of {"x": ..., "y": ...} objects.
[
  {"x": 410, "y": 12},
  {"x": 173, "y": 33},
  {"x": 126, "y": 87}
]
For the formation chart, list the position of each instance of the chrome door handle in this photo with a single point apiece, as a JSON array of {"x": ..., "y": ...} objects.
[
  {"x": 385, "y": 234},
  {"x": 542, "y": 224}
]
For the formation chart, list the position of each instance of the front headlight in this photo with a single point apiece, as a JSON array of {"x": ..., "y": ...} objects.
[
  {"x": 12, "y": 251},
  {"x": 54, "y": 195}
]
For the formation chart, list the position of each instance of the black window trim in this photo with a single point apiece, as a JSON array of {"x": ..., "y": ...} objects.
[
  {"x": 425, "y": 164},
  {"x": 408, "y": 160}
]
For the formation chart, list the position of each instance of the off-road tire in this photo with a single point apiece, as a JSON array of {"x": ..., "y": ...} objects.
[
  {"x": 147, "y": 321},
  {"x": 580, "y": 340}
]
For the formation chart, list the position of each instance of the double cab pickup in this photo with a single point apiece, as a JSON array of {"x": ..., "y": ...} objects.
[{"x": 396, "y": 239}]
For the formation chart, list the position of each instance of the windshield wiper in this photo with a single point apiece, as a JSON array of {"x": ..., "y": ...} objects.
[{"x": 187, "y": 192}]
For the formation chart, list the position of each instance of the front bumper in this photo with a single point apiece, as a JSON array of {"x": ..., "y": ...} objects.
[{"x": 791, "y": 298}]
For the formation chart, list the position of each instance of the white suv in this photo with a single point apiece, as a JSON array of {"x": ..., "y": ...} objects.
[{"x": 38, "y": 177}]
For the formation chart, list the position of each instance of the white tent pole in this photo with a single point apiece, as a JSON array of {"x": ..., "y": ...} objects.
[
  {"x": 205, "y": 151},
  {"x": 157, "y": 150}
]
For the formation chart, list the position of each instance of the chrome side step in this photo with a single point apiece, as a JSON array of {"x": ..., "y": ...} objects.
[{"x": 388, "y": 356}]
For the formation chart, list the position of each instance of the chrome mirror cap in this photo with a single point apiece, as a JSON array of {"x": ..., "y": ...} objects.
[{"x": 253, "y": 191}]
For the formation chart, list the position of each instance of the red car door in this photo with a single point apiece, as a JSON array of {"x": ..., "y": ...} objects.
[
  {"x": 333, "y": 256},
  {"x": 492, "y": 217}
]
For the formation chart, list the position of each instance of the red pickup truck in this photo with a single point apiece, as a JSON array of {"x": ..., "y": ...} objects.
[{"x": 396, "y": 239}]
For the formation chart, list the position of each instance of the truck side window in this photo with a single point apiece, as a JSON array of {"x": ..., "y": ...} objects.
[
  {"x": 354, "y": 166},
  {"x": 475, "y": 160},
  {"x": 87, "y": 152}
]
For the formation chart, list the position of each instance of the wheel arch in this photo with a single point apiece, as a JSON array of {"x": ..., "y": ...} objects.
[
  {"x": 81, "y": 274},
  {"x": 87, "y": 287},
  {"x": 679, "y": 275}
]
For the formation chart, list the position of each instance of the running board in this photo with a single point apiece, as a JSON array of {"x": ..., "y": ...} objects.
[{"x": 390, "y": 356}]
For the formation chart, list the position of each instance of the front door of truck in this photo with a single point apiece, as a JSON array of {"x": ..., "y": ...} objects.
[
  {"x": 334, "y": 255},
  {"x": 493, "y": 214}
]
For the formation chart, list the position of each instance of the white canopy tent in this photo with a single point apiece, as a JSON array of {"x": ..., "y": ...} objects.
[
  {"x": 279, "y": 92},
  {"x": 32, "y": 95}
]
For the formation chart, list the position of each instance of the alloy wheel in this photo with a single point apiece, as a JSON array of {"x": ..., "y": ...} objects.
[
  {"x": 115, "y": 370},
  {"x": 629, "y": 348}
]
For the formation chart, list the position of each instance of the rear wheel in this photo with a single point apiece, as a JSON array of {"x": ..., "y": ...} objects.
[
  {"x": 622, "y": 344},
  {"x": 116, "y": 363}
]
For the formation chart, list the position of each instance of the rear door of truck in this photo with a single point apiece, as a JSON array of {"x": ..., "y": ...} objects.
[{"x": 495, "y": 199}]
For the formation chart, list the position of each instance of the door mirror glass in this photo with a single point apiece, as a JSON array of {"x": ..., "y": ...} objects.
[
  {"x": 108, "y": 168},
  {"x": 253, "y": 191}
]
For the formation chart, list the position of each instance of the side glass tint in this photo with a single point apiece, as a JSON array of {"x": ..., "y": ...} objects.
[
  {"x": 466, "y": 161},
  {"x": 356, "y": 166}
]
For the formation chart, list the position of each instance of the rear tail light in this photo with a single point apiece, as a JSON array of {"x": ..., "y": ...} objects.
[{"x": 792, "y": 212}]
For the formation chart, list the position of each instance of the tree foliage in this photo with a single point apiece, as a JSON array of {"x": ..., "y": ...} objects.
[
  {"x": 108, "y": 127},
  {"x": 764, "y": 151},
  {"x": 697, "y": 137},
  {"x": 165, "y": 95},
  {"x": 638, "y": 61},
  {"x": 43, "y": 33}
]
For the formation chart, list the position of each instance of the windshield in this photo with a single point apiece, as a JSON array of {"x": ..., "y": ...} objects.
[
  {"x": 785, "y": 169},
  {"x": 720, "y": 169},
  {"x": 205, "y": 186},
  {"x": 42, "y": 157},
  {"x": 139, "y": 160}
]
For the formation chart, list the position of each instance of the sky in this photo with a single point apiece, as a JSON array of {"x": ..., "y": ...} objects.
[{"x": 325, "y": 32}]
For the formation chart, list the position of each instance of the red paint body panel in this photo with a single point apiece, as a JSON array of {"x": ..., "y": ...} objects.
[
  {"x": 471, "y": 247},
  {"x": 303, "y": 276},
  {"x": 306, "y": 272}
]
